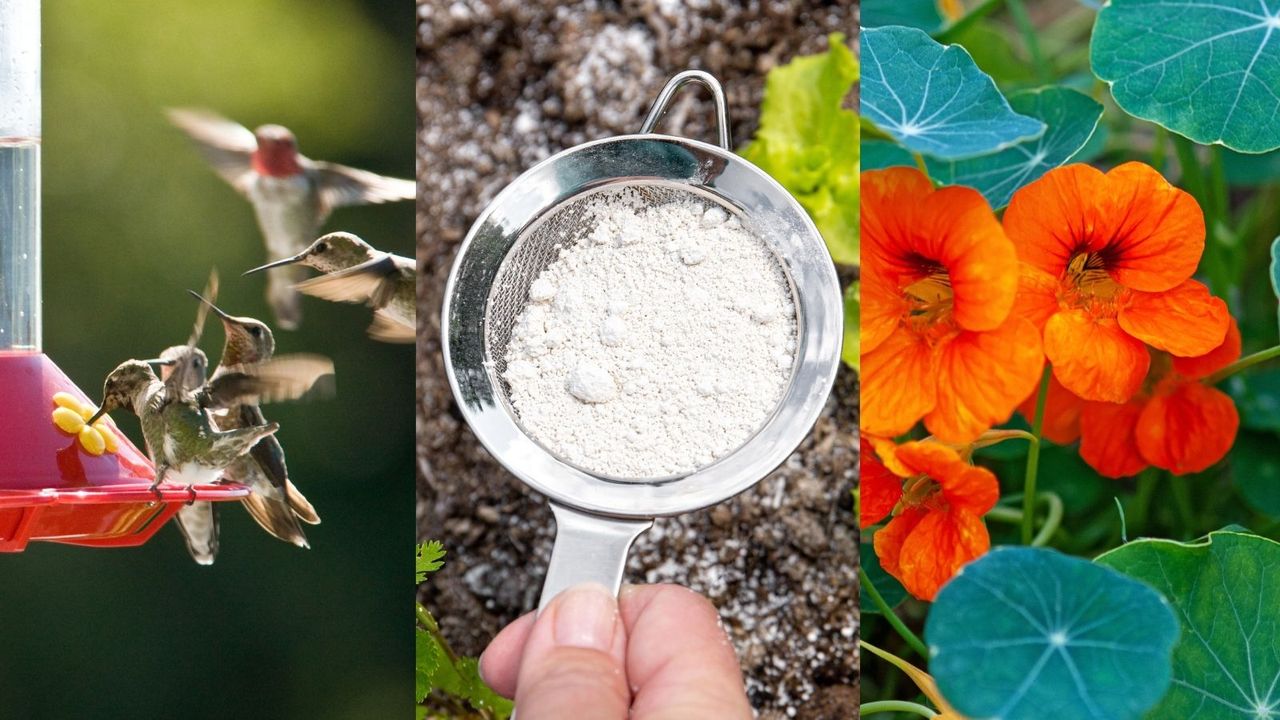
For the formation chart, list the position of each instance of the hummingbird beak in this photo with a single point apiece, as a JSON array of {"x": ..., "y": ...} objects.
[
  {"x": 160, "y": 361},
  {"x": 213, "y": 307},
  {"x": 278, "y": 263},
  {"x": 101, "y": 411}
]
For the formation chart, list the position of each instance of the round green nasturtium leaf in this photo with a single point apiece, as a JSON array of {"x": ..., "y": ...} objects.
[
  {"x": 920, "y": 14},
  {"x": 1251, "y": 170},
  {"x": 1255, "y": 467},
  {"x": 1225, "y": 591},
  {"x": 1028, "y": 633},
  {"x": 891, "y": 591},
  {"x": 1206, "y": 69},
  {"x": 933, "y": 99},
  {"x": 1071, "y": 118}
]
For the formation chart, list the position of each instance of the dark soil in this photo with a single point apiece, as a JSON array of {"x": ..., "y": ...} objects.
[{"x": 503, "y": 84}]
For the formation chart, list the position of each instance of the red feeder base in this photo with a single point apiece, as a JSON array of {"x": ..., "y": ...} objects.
[{"x": 52, "y": 489}]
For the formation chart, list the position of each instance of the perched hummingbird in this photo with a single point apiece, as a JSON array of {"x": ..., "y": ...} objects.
[
  {"x": 355, "y": 272},
  {"x": 291, "y": 194},
  {"x": 275, "y": 503},
  {"x": 181, "y": 440}
]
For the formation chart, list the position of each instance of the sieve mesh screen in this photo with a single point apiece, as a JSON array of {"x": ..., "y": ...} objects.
[{"x": 563, "y": 226}]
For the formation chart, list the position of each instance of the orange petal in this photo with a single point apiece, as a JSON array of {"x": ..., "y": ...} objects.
[
  {"x": 1061, "y": 412},
  {"x": 1185, "y": 321},
  {"x": 981, "y": 378},
  {"x": 1093, "y": 357},
  {"x": 878, "y": 489},
  {"x": 899, "y": 384},
  {"x": 1214, "y": 360},
  {"x": 1037, "y": 295},
  {"x": 980, "y": 260},
  {"x": 963, "y": 485},
  {"x": 1150, "y": 233},
  {"x": 1107, "y": 438},
  {"x": 1053, "y": 218},
  {"x": 937, "y": 547},
  {"x": 883, "y": 308},
  {"x": 912, "y": 232},
  {"x": 888, "y": 540},
  {"x": 1156, "y": 230},
  {"x": 1187, "y": 427}
]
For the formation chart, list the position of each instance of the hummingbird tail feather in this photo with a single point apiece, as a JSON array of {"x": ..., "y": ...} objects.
[
  {"x": 273, "y": 514},
  {"x": 301, "y": 506},
  {"x": 199, "y": 525}
]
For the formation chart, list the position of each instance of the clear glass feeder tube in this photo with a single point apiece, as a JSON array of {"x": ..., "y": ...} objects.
[{"x": 20, "y": 175}]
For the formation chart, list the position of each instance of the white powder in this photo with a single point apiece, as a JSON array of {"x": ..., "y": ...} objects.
[{"x": 657, "y": 344}]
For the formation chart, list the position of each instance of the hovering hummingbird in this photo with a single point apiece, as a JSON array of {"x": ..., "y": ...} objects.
[
  {"x": 292, "y": 195},
  {"x": 355, "y": 272}
]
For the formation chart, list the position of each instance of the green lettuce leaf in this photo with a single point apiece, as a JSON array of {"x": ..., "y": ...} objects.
[{"x": 808, "y": 141}]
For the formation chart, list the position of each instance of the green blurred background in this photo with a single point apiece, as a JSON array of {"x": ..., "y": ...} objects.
[{"x": 132, "y": 217}]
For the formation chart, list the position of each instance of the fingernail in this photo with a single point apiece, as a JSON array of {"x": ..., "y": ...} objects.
[{"x": 586, "y": 616}]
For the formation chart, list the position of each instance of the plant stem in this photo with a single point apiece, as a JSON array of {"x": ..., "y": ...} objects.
[
  {"x": 1160, "y": 149},
  {"x": 920, "y": 163},
  {"x": 883, "y": 706},
  {"x": 1182, "y": 499},
  {"x": 1033, "y": 460},
  {"x": 1243, "y": 363},
  {"x": 888, "y": 613},
  {"x": 1051, "y": 521},
  {"x": 429, "y": 624},
  {"x": 1028, "y": 30},
  {"x": 1142, "y": 500}
]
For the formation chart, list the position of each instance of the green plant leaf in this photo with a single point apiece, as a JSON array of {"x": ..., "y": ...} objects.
[
  {"x": 1275, "y": 267},
  {"x": 477, "y": 693},
  {"x": 430, "y": 558},
  {"x": 920, "y": 14},
  {"x": 891, "y": 591},
  {"x": 1257, "y": 397},
  {"x": 1251, "y": 170},
  {"x": 933, "y": 99},
  {"x": 1071, "y": 118},
  {"x": 808, "y": 141},
  {"x": 1206, "y": 69},
  {"x": 1227, "y": 666},
  {"x": 1256, "y": 471},
  {"x": 851, "y": 350},
  {"x": 1027, "y": 633}
]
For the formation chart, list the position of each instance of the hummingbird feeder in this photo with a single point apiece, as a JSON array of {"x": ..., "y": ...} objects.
[{"x": 60, "y": 479}]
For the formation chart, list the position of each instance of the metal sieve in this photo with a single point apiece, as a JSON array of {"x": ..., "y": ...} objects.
[{"x": 523, "y": 230}]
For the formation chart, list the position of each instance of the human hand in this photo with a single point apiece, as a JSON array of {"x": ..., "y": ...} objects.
[{"x": 656, "y": 652}]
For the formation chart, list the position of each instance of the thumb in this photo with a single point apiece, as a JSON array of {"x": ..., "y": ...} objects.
[{"x": 574, "y": 659}]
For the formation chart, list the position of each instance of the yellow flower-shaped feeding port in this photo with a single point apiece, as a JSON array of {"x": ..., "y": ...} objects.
[{"x": 70, "y": 417}]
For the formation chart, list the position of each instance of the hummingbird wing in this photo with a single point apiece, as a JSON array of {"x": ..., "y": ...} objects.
[
  {"x": 341, "y": 186},
  {"x": 285, "y": 377},
  {"x": 177, "y": 382},
  {"x": 199, "y": 525},
  {"x": 372, "y": 282},
  {"x": 389, "y": 328},
  {"x": 226, "y": 145}
]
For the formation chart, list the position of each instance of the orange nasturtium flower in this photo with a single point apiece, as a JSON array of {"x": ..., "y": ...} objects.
[
  {"x": 939, "y": 338},
  {"x": 937, "y": 499},
  {"x": 1108, "y": 260},
  {"x": 1175, "y": 422}
]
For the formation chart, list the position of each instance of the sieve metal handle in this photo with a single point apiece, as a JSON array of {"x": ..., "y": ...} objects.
[
  {"x": 673, "y": 85},
  {"x": 588, "y": 548}
]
